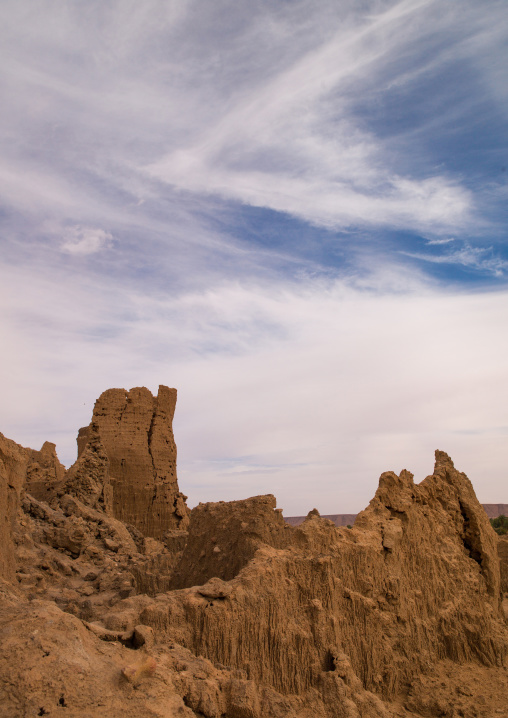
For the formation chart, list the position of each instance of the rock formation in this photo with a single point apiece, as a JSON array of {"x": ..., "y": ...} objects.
[
  {"x": 88, "y": 478},
  {"x": 44, "y": 472},
  {"x": 502, "y": 549},
  {"x": 388, "y": 598},
  {"x": 13, "y": 465},
  {"x": 136, "y": 434},
  {"x": 243, "y": 616}
]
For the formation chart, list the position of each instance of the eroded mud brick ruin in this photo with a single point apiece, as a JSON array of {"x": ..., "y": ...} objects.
[{"x": 116, "y": 600}]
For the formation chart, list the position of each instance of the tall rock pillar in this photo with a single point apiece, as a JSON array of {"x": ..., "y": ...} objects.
[
  {"x": 135, "y": 429},
  {"x": 14, "y": 460}
]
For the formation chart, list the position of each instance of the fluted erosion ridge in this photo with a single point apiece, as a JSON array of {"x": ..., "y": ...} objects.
[{"x": 243, "y": 615}]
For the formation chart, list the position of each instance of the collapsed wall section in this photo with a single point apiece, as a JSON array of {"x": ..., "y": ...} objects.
[{"x": 224, "y": 536}]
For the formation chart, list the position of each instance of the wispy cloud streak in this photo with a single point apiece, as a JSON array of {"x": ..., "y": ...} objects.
[
  {"x": 475, "y": 258},
  {"x": 259, "y": 109}
]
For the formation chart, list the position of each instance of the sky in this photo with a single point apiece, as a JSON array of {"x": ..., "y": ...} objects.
[{"x": 295, "y": 213}]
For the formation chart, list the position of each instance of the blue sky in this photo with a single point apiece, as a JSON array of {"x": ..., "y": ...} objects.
[{"x": 295, "y": 213}]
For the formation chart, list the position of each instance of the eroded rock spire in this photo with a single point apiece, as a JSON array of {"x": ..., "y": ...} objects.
[{"x": 135, "y": 430}]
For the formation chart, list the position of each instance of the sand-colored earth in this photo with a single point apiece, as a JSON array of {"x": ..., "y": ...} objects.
[{"x": 115, "y": 600}]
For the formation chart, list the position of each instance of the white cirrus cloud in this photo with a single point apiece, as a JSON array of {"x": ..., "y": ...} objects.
[
  {"x": 443, "y": 240},
  {"x": 86, "y": 240},
  {"x": 477, "y": 258}
]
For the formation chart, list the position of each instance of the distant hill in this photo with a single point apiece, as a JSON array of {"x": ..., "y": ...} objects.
[
  {"x": 495, "y": 510},
  {"x": 492, "y": 511}
]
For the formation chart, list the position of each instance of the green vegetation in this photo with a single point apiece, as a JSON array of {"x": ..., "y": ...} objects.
[{"x": 500, "y": 525}]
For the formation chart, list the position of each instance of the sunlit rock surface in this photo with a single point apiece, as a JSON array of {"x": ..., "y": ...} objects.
[{"x": 113, "y": 603}]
